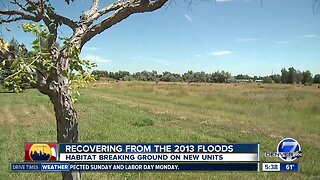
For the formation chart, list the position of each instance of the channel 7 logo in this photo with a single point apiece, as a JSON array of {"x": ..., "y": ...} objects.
[{"x": 288, "y": 150}]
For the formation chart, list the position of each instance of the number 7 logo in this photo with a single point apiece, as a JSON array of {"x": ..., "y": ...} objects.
[{"x": 288, "y": 148}]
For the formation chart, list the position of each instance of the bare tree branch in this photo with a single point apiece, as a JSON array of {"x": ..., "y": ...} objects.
[
  {"x": 114, "y": 6},
  {"x": 38, "y": 13},
  {"x": 21, "y": 6},
  {"x": 64, "y": 20},
  {"x": 94, "y": 7},
  {"x": 122, "y": 11},
  {"x": 10, "y": 20},
  {"x": 21, "y": 15}
]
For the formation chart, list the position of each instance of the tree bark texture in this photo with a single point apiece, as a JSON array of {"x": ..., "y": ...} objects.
[{"x": 66, "y": 119}]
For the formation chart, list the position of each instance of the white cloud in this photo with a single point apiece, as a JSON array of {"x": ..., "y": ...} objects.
[
  {"x": 282, "y": 42},
  {"x": 157, "y": 60},
  {"x": 307, "y": 36},
  {"x": 247, "y": 39},
  {"x": 148, "y": 58},
  {"x": 188, "y": 18},
  {"x": 245, "y": 1},
  {"x": 198, "y": 55},
  {"x": 220, "y": 53},
  {"x": 223, "y": 0},
  {"x": 96, "y": 58},
  {"x": 91, "y": 48}
]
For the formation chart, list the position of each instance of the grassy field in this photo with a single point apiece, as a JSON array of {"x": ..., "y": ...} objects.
[{"x": 171, "y": 112}]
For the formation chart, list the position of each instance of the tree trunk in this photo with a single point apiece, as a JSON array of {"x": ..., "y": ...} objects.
[{"x": 66, "y": 118}]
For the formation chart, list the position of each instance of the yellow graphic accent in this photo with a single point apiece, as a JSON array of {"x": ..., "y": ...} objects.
[{"x": 40, "y": 152}]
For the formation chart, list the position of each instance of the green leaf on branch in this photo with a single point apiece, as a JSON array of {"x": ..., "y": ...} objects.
[{"x": 39, "y": 59}]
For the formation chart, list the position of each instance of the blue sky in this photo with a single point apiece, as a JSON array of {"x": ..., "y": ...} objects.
[{"x": 239, "y": 36}]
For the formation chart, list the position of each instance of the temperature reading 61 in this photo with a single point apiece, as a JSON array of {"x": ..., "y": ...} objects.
[{"x": 290, "y": 166}]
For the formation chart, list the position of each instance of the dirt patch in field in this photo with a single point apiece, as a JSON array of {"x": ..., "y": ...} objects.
[
  {"x": 26, "y": 114},
  {"x": 39, "y": 114},
  {"x": 7, "y": 117}
]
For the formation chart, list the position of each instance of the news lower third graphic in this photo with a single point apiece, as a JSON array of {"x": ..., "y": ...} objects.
[
  {"x": 291, "y": 146},
  {"x": 288, "y": 150},
  {"x": 275, "y": 167},
  {"x": 139, "y": 157},
  {"x": 40, "y": 152}
]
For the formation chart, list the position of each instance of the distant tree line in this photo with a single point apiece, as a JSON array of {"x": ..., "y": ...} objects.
[
  {"x": 287, "y": 76},
  {"x": 190, "y": 76},
  {"x": 290, "y": 76}
]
